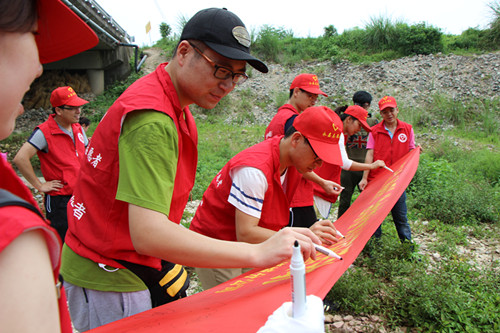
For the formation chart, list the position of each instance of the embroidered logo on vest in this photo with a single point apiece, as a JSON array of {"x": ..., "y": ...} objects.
[{"x": 402, "y": 138}]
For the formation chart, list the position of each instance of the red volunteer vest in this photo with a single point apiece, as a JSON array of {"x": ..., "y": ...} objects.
[
  {"x": 215, "y": 215},
  {"x": 387, "y": 149},
  {"x": 277, "y": 124},
  {"x": 15, "y": 220},
  {"x": 62, "y": 162},
  {"x": 304, "y": 194},
  {"x": 98, "y": 223}
]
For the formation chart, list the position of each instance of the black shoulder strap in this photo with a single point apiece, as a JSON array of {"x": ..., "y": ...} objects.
[{"x": 9, "y": 199}]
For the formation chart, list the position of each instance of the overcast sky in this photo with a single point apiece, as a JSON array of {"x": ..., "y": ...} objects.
[{"x": 304, "y": 18}]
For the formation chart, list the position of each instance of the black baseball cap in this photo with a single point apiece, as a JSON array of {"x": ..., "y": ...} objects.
[{"x": 223, "y": 32}]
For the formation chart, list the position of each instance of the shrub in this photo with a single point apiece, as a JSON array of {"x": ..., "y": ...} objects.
[
  {"x": 268, "y": 42},
  {"x": 417, "y": 39}
]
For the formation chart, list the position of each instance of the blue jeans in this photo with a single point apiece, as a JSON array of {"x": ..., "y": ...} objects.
[{"x": 400, "y": 220}]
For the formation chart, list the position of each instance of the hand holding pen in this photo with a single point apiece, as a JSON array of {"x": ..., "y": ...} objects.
[{"x": 326, "y": 231}]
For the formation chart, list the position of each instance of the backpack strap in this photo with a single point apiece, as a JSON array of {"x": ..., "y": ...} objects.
[{"x": 9, "y": 199}]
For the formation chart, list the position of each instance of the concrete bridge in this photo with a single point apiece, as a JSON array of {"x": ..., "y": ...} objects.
[{"x": 109, "y": 60}]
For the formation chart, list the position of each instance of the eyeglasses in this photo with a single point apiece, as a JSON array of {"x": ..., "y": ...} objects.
[
  {"x": 316, "y": 157},
  {"x": 222, "y": 73},
  {"x": 310, "y": 95},
  {"x": 71, "y": 108}
]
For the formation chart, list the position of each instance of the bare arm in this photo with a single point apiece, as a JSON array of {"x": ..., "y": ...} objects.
[
  {"x": 356, "y": 166},
  {"x": 248, "y": 229},
  {"x": 330, "y": 187},
  {"x": 23, "y": 162},
  {"x": 154, "y": 235},
  {"x": 28, "y": 300},
  {"x": 368, "y": 159}
]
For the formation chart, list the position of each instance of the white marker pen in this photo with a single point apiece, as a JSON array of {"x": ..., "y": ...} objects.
[
  {"x": 298, "y": 274},
  {"x": 327, "y": 252},
  {"x": 388, "y": 169}
]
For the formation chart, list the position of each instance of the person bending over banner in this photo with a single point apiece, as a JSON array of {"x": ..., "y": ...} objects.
[
  {"x": 353, "y": 118},
  {"x": 249, "y": 199},
  {"x": 390, "y": 140},
  {"x": 124, "y": 245}
]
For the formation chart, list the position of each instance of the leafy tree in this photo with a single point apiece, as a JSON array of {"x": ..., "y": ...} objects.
[
  {"x": 165, "y": 30},
  {"x": 330, "y": 31}
]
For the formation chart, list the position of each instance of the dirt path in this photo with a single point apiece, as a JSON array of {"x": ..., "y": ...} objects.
[{"x": 155, "y": 56}]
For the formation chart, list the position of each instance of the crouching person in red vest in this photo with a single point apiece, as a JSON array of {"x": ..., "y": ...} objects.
[{"x": 249, "y": 199}]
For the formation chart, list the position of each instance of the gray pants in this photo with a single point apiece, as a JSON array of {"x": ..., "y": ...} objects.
[{"x": 90, "y": 308}]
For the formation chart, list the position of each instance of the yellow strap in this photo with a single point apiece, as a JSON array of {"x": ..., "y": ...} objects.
[
  {"x": 174, "y": 289},
  {"x": 170, "y": 275}
]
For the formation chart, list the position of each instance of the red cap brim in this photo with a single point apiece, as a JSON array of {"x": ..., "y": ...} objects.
[
  {"x": 76, "y": 101},
  {"x": 365, "y": 125},
  {"x": 328, "y": 152},
  {"x": 314, "y": 90},
  {"x": 61, "y": 33},
  {"x": 389, "y": 105}
]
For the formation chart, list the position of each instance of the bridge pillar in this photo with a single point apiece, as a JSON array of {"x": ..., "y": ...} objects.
[{"x": 96, "y": 80}]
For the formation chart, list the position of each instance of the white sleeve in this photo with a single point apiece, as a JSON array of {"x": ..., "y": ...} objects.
[
  {"x": 345, "y": 159},
  {"x": 248, "y": 190}
]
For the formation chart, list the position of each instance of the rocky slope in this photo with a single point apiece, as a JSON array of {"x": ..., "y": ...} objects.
[{"x": 411, "y": 80}]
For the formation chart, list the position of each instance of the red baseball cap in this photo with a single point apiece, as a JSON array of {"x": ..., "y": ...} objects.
[
  {"x": 66, "y": 96},
  {"x": 360, "y": 114},
  {"x": 387, "y": 102},
  {"x": 61, "y": 33},
  {"x": 307, "y": 82},
  {"x": 322, "y": 127}
]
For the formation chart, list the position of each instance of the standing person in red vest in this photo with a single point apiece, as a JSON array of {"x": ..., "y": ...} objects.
[
  {"x": 124, "y": 247},
  {"x": 60, "y": 144},
  {"x": 249, "y": 199},
  {"x": 31, "y": 298},
  {"x": 390, "y": 140},
  {"x": 304, "y": 92}
]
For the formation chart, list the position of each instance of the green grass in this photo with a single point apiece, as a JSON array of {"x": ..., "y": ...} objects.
[
  {"x": 450, "y": 296},
  {"x": 217, "y": 143}
]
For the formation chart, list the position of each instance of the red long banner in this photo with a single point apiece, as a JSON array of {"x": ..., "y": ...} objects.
[{"x": 244, "y": 303}]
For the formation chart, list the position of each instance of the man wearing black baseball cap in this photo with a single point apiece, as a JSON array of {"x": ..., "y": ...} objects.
[
  {"x": 224, "y": 33},
  {"x": 136, "y": 178}
]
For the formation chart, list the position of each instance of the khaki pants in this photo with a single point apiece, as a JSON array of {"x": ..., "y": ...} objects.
[{"x": 211, "y": 277}]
